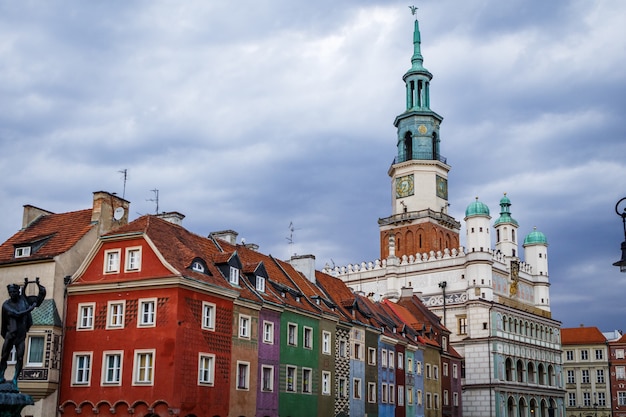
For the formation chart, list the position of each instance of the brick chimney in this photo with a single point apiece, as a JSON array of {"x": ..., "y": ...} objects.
[{"x": 109, "y": 211}]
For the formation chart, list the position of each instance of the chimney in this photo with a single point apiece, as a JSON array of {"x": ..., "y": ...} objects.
[
  {"x": 229, "y": 236},
  {"x": 304, "y": 264},
  {"x": 406, "y": 292},
  {"x": 32, "y": 213},
  {"x": 109, "y": 211},
  {"x": 172, "y": 217}
]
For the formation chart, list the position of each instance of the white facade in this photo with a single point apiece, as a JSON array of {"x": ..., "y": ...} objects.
[{"x": 495, "y": 319}]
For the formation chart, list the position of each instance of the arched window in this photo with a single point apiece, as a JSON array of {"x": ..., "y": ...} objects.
[
  {"x": 408, "y": 146},
  {"x": 542, "y": 374},
  {"x": 520, "y": 370},
  {"x": 532, "y": 374},
  {"x": 508, "y": 367},
  {"x": 435, "y": 145}
]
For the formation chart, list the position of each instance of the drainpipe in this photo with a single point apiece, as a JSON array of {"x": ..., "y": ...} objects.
[{"x": 443, "y": 285}]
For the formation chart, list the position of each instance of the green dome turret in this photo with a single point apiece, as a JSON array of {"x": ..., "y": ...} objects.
[
  {"x": 505, "y": 212},
  {"x": 535, "y": 238},
  {"x": 477, "y": 208}
]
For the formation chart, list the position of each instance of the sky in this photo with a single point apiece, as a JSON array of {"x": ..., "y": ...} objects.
[{"x": 274, "y": 118}]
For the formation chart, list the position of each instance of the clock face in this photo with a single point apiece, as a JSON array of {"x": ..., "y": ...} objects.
[
  {"x": 404, "y": 186},
  {"x": 422, "y": 129},
  {"x": 442, "y": 187}
]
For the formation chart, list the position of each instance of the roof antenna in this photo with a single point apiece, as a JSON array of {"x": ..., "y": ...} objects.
[
  {"x": 292, "y": 228},
  {"x": 124, "y": 173},
  {"x": 155, "y": 199}
]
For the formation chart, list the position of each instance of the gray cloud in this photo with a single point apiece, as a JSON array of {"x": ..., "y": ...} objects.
[{"x": 257, "y": 115}]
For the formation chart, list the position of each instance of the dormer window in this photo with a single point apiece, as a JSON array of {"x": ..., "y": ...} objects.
[
  {"x": 22, "y": 251},
  {"x": 197, "y": 266},
  {"x": 260, "y": 283},
  {"x": 234, "y": 275}
]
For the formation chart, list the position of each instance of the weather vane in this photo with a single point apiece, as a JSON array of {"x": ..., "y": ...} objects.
[{"x": 413, "y": 10}]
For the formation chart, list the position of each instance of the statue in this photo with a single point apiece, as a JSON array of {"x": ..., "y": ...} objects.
[{"x": 16, "y": 321}]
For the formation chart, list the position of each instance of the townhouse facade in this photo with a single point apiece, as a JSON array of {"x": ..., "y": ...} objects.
[
  {"x": 617, "y": 375},
  {"x": 50, "y": 247},
  {"x": 586, "y": 363},
  {"x": 161, "y": 321}
]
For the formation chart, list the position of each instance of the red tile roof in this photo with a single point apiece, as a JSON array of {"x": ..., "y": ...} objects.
[
  {"x": 582, "y": 336},
  {"x": 57, "y": 232}
]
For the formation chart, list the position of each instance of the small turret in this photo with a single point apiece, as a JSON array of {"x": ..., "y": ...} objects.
[
  {"x": 477, "y": 224},
  {"x": 506, "y": 229},
  {"x": 536, "y": 252}
]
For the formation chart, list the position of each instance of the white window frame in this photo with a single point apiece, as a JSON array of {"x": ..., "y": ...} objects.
[
  {"x": 143, "y": 373},
  {"x": 436, "y": 372},
  {"x": 445, "y": 369},
  {"x": 371, "y": 356},
  {"x": 81, "y": 374},
  {"x": 241, "y": 365},
  {"x": 400, "y": 395},
  {"x": 85, "y": 320},
  {"x": 357, "y": 388},
  {"x": 409, "y": 395},
  {"x": 245, "y": 326},
  {"x": 142, "y": 315},
  {"x": 307, "y": 337},
  {"x": 260, "y": 283},
  {"x": 132, "y": 259},
  {"x": 372, "y": 390},
  {"x": 112, "y": 261},
  {"x": 270, "y": 387},
  {"x": 418, "y": 367},
  {"x": 326, "y": 383},
  {"x": 206, "y": 369},
  {"x": 292, "y": 337},
  {"x": 455, "y": 371},
  {"x": 357, "y": 353},
  {"x": 293, "y": 387},
  {"x": 342, "y": 388},
  {"x": 400, "y": 360},
  {"x": 104, "y": 380},
  {"x": 392, "y": 359},
  {"x": 455, "y": 399},
  {"x": 409, "y": 365},
  {"x": 383, "y": 358},
  {"x": 114, "y": 314},
  {"x": 22, "y": 252},
  {"x": 619, "y": 353},
  {"x": 384, "y": 393},
  {"x": 343, "y": 349},
  {"x": 268, "y": 332},
  {"x": 233, "y": 276},
  {"x": 29, "y": 360},
  {"x": 326, "y": 342},
  {"x": 392, "y": 393},
  {"x": 307, "y": 380},
  {"x": 208, "y": 316}
]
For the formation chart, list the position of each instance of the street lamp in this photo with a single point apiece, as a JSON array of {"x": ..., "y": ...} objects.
[{"x": 622, "y": 262}]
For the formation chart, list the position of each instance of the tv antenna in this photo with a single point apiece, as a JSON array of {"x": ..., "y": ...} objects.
[
  {"x": 124, "y": 173},
  {"x": 155, "y": 199},
  {"x": 290, "y": 238}
]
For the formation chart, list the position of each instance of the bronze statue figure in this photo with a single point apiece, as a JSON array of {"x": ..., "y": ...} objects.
[{"x": 16, "y": 321}]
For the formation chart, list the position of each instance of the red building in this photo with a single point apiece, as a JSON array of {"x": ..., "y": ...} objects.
[
  {"x": 148, "y": 326},
  {"x": 617, "y": 371}
]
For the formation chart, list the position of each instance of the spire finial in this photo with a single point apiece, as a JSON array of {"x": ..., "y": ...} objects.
[{"x": 413, "y": 10}]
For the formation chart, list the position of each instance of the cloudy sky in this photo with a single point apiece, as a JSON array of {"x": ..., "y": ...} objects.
[{"x": 254, "y": 115}]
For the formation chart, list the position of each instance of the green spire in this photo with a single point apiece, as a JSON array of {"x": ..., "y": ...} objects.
[
  {"x": 417, "y": 59},
  {"x": 505, "y": 212}
]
